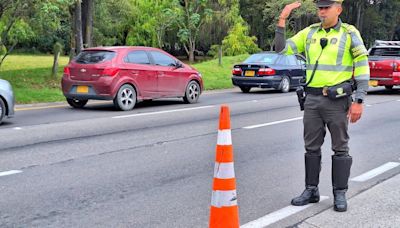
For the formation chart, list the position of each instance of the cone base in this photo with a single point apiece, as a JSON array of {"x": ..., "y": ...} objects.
[{"x": 224, "y": 217}]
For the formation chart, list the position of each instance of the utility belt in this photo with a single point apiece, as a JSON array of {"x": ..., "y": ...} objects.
[{"x": 343, "y": 89}]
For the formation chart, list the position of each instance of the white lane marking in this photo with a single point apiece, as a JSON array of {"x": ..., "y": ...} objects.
[
  {"x": 162, "y": 112},
  {"x": 375, "y": 172},
  {"x": 273, "y": 123},
  {"x": 254, "y": 101},
  {"x": 368, "y": 105},
  {"x": 398, "y": 100},
  {"x": 17, "y": 128},
  {"x": 278, "y": 215},
  {"x": 11, "y": 172}
]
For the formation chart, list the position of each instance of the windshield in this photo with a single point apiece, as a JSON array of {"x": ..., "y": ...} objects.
[
  {"x": 268, "y": 58},
  {"x": 90, "y": 57},
  {"x": 385, "y": 51}
]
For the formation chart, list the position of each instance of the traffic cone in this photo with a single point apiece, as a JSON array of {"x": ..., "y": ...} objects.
[{"x": 224, "y": 208}]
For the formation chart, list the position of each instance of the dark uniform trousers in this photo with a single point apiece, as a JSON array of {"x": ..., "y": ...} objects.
[{"x": 321, "y": 112}]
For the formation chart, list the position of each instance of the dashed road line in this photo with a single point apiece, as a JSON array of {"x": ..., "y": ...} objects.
[
  {"x": 278, "y": 215},
  {"x": 272, "y": 123},
  {"x": 11, "y": 172},
  {"x": 375, "y": 172},
  {"x": 162, "y": 112}
]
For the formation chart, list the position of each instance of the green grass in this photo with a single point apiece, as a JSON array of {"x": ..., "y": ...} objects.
[
  {"x": 30, "y": 76},
  {"x": 31, "y": 81},
  {"x": 218, "y": 77}
]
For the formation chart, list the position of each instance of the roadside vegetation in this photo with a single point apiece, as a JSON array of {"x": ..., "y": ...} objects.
[
  {"x": 192, "y": 28},
  {"x": 30, "y": 76}
]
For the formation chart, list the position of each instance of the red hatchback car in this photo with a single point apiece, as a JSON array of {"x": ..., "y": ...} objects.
[{"x": 128, "y": 75}]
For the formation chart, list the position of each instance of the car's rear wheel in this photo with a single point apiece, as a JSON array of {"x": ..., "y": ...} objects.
[
  {"x": 389, "y": 87},
  {"x": 192, "y": 92},
  {"x": 2, "y": 110},
  {"x": 284, "y": 87},
  {"x": 245, "y": 89},
  {"x": 75, "y": 103},
  {"x": 125, "y": 99}
]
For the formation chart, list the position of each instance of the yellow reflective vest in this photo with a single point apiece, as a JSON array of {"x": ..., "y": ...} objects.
[{"x": 344, "y": 54}]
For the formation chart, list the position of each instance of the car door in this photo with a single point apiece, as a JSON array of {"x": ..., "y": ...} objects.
[
  {"x": 138, "y": 67},
  {"x": 169, "y": 77}
]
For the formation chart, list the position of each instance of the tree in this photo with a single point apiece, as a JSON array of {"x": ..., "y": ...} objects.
[
  {"x": 13, "y": 28},
  {"x": 78, "y": 26},
  {"x": 87, "y": 22},
  {"x": 238, "y": 42},
  {"x": 191, "y": 15},
  {"x": 299, "y": 19}
]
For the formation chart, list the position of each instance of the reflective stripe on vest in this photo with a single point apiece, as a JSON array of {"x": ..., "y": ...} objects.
[
  {"x": 330, "y": 68},
  {"x": 309, "y": 36},
  {"x": 342, "y": 46}
]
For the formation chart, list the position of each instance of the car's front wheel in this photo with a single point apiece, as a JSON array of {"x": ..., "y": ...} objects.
[
  {"x": 284, "y": 87},
  {"x": 75, "y": 103},
  {"x": 125, "y": 99},
  {"x": 389, "y": 87},
  {"x": 2, "y": 110},
  {"x": 245, "y": 89},
  {"x": 192, "y": 92}
]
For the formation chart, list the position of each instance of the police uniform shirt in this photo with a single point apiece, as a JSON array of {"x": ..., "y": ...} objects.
[{"x": 344, "y": 54}]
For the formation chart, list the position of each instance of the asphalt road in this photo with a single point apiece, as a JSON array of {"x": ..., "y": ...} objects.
[{"x": 153, "y": 166}]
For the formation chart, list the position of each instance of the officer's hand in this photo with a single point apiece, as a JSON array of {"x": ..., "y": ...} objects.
[
  {"x": 355, "y": 112},
  {"x": 288, "y": 9}
]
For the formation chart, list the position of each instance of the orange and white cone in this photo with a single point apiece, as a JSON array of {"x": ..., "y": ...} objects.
[{"x": 224, "y": 208}]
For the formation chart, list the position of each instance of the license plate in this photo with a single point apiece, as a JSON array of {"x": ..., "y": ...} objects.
[
  {"x": 373, "y": 83},
  {"x": 82, "y": 89},
  {"x": 249, "y": 73}
]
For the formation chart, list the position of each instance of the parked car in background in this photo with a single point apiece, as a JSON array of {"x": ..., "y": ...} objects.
[
  {"x": 384, "y": 64},
  {"x": 7, "y": 100},
  {"x": 269, "y": 70},
  {"x": 128, "y": 75}
]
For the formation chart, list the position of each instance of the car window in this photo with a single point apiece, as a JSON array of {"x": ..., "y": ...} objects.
[
  {"x": 291, "y": 60},
  {"x": 267, "y": 58},
  {"x": 162, "y": 59},
  {"x": 138, "y": 57},
  {"x": 90, "y": 57},
  {"x": 282, "y": 60},
  {"x": 385, "y": 51}
]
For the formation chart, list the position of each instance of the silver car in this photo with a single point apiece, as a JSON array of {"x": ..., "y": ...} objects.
[{"x": 7, "y": 100}]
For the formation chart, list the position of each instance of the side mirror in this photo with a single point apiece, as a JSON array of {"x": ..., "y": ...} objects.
[{"x": 178, "y": 64}]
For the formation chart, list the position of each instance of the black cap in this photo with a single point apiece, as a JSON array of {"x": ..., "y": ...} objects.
[{"x": 326, "y": 3}]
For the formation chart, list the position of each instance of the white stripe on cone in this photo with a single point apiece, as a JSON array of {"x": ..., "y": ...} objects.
[
  {"x": 224, "y": 170},
  {"x": 224, "y": 198},
  {"x": 224, "y": 137}
]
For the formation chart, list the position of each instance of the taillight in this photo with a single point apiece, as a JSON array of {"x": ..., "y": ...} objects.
[
  {"x": 66, "y": 71},
  {"x": 110, "y": 72},
  {"x": 266, "y": 71},
  {"x": 237, "y": 71},
  {"x": 396, "y": 67}
]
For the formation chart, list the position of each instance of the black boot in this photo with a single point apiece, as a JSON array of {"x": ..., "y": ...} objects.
[
  {"x": 340, "y": 175},
  {"x": 311, "y": 193}
]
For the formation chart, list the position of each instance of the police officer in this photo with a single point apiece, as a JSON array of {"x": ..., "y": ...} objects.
[{"x": 335, "y": 53}]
